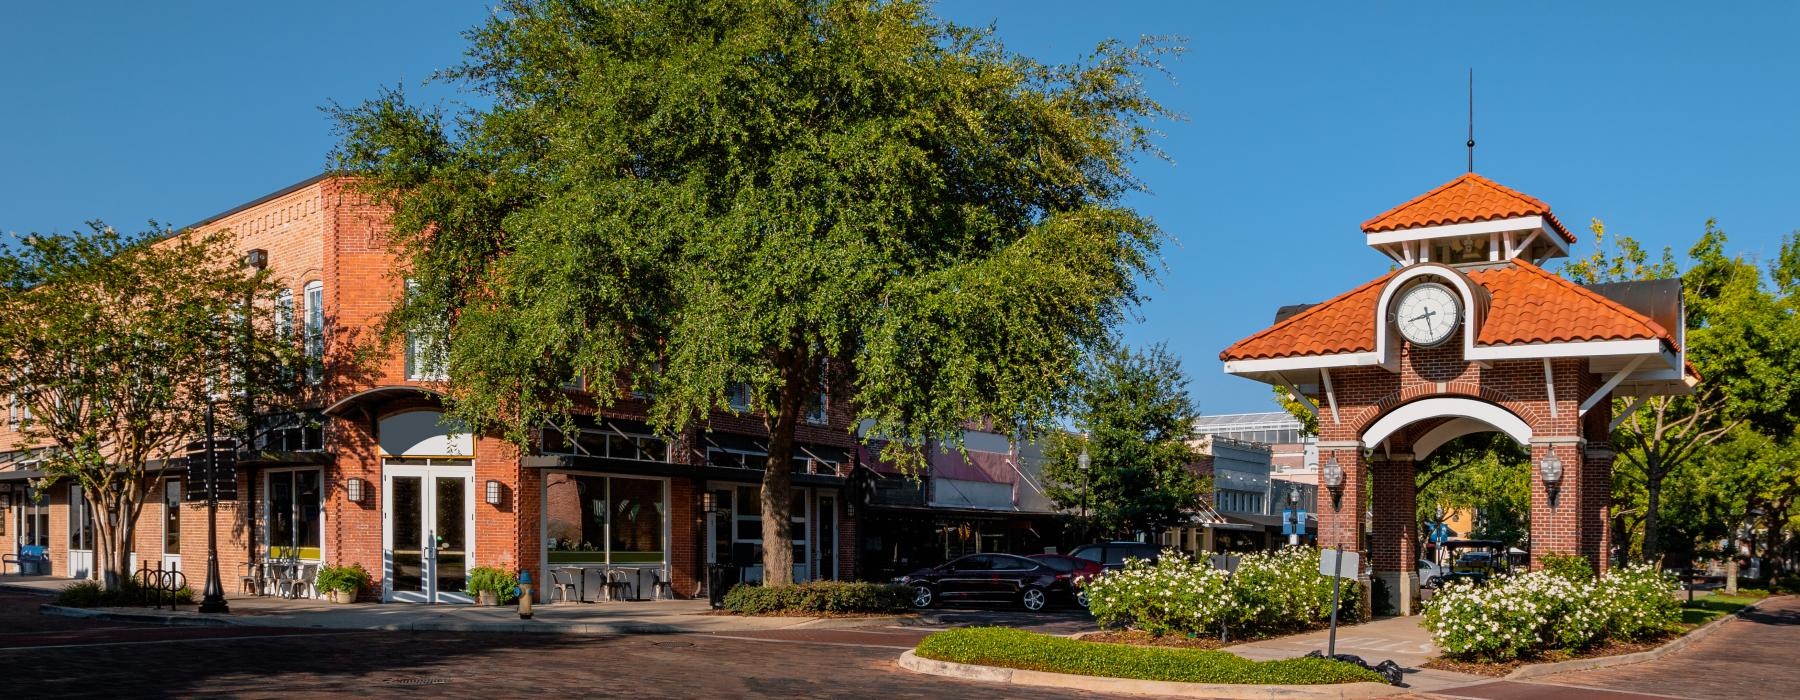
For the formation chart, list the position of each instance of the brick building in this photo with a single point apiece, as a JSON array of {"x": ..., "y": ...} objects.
[
  {"x": 1468, "y": 334},
  {"x": 368, "y": 473}
]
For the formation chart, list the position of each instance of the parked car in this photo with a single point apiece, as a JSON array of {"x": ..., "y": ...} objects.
[
  {"x": 1476, "y": 562},
  {"x": 992, "y": 578},
  {"x": 1430, "y": 574},
  {"x": 1076, "y": 566},
  {"x": 1112, "y": 555}
]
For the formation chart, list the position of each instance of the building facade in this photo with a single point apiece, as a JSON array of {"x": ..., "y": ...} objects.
[{"x": 368, "y": 472}]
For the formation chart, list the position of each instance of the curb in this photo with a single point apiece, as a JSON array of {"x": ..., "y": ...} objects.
[
  {"x": 1069, "y": 681},
  {"x": 21, "y": 588},
  {"x": 161, "y": 619},
  {"x": 1677, "y": 644}
]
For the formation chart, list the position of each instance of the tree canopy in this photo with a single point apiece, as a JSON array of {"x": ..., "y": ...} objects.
[
  {"x": 1134, "y": 420},
  {"x": 779, "y": 195},
  {"x": 117, "y": 345}
]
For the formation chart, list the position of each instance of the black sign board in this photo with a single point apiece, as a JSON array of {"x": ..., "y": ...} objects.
[{"x": 210, "y": 473}]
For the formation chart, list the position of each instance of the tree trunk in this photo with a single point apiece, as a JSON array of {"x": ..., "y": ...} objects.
[
  {"x": 1652, "y": 502},
  {"x": 777, "y": 485},
  {"x": 112, "y": 542}
]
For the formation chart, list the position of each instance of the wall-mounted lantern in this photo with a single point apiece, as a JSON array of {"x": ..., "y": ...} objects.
[
  {"x": 1334, "y": 480},
  {"x": 494, "y": 492},
  {"x": 1551, "y": 470},
  {"x": 353, "y": 489}
]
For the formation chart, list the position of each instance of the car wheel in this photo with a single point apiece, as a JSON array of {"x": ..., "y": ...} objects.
[
  {"x": 1434, "y": 582},
  {"x": 1081, "y": 598},
  {"x": 922, "y": 596},
  {"x": 1033, "y": 598}
]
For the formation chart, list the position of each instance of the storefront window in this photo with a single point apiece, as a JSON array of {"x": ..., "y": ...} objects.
[
  {"x": 293, "y": 513},
  {"x": 81, "y": 521},
  {"x": 604, "y": 520},
  {"x": 172, "y": 516}
]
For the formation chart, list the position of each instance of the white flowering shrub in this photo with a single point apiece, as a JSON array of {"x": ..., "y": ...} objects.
[
  {"x": 1174, "y": 595},
  {"x": 1269, "y": 592},
  {"x": 1525, "y": 615}
]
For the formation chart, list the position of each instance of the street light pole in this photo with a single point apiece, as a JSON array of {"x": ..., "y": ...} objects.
[
  {"x": 1294, "y": 508},
  {"x": 1082, "y": 463},
  {"x": 213, "y": 601}
]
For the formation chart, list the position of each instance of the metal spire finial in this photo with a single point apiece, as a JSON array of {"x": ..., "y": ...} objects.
[{"x": 1471, "y": 120}]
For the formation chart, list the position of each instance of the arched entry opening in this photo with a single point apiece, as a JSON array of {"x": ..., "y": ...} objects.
[{"x": 1399, "y": 441}]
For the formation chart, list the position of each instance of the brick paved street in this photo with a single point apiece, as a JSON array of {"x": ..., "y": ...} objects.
[{"x": 63, "y": 657}]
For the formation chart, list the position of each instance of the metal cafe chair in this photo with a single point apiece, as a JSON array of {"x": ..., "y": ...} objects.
[
  {"x": 565, "y": 582},
  {"x": 616, "y": 583},
  {"x": 252, "y": 581},
  {"x": 660, "y": 586}
]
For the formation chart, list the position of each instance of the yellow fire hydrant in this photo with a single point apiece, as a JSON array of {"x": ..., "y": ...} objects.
[{"x": 524, "y": 595}]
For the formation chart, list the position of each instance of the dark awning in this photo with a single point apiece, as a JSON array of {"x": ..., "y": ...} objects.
[{"x": 369, "y": 398}]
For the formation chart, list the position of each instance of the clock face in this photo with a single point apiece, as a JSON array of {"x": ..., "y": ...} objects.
[{"x": 1427, "y": 314}]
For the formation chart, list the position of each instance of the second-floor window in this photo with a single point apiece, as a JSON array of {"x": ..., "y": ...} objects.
[
  {"x": 737, "y": 396},
  {"x": 425, "y": 351},
  {"x": 315, "y": 331}
]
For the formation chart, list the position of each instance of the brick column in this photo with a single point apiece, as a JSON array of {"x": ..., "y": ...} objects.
[
  {"x": 1558, "y": 529},
  {"x": 1391, "y": 547},
  {"x": 1596, "y": 504},
  {"x": 1343, "y": 525}
]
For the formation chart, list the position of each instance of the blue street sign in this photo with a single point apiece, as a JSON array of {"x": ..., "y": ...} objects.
[{"x": 1300, "y": 523}]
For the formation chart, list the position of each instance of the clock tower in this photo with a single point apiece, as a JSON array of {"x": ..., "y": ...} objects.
[{"x": 1468, "y": 333}]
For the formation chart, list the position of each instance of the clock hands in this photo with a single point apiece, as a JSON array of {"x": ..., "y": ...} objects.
[{"x": 1427, "y": 316}]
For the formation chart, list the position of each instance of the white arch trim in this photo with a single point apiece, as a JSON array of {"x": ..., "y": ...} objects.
[
  {"x": 1385, "y": 346},
  {"x": 1483, "y": 416}
]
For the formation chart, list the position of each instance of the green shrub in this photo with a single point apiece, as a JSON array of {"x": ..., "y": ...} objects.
[
  {"x": 500, "y": 582},
  {"x": 819, "y": 597},
  {"x": 1012, "y": 648},
  {"x": 333, "y": 578},
  {"x": 1569, "y": 566},
  {"x": 1269, "y": 592},
  {"x": 88, "y": 594},
  {"x": 1523, "y": 616}
]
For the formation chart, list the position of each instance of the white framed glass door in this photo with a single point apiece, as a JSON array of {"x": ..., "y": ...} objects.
[
  {"x": 428, "y": 523},
  {"x": 81, "y": 534}
]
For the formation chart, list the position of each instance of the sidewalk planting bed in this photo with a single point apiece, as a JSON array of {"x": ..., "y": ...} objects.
[
  {"x": 820, "y": 598},
  {"x": 1563, "y": 613},
  {"x": 1031, "y": 651},
  {"x": 1177, "y": 600}
]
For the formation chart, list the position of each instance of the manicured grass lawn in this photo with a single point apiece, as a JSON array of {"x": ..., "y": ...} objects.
[
  {"x": 1713, "y": 607},
  {"x": 1011, "y": 648}
]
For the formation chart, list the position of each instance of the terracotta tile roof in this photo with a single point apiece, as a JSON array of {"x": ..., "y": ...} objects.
[
  {"x": 1467, "y": 199},
  {"x": 1530, "y": 305},
  {"x": 1343, "y": 324},
  {"x": 1526, "y": 305}
]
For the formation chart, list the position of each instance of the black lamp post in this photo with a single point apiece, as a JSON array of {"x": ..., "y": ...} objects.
[
  {"x": 1082, "y": 463},
  {"x": 1294, "y": 508},
  {"x": 715, "y": 593},
  {"x": 213, "y": 600},
  {"x": 1334, "y": 480}
]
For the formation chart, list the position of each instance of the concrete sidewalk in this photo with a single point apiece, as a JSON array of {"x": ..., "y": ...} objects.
[
  {"x": 1400, "y": 639},
  {"x": 623, "y": 617}
]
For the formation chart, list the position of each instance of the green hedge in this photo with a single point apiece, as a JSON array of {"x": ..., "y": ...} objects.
[
  {"x": 88, "y": 594},
  {"x": 1011, "y": 648},
  {"x": 819, "y": 597}
]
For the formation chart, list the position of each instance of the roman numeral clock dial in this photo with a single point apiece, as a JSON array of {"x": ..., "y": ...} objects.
[{"x": 1428, "y": 314}]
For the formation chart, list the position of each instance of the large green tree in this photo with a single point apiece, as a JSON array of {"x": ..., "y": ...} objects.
[
  {"x": 787, "y": 195},
  {"x": 1742, "y": 336},
  {"x": 116, "y": 346},
  {"x": 1134, "y": 419}
]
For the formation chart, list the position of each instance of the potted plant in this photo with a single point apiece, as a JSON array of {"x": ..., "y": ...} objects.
[
  {"x": 492, "y": 586},
  {"x": 341, "y": 583}
]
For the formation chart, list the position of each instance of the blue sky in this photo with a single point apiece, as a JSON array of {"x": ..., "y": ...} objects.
[{"x": 1302, "y": 120}]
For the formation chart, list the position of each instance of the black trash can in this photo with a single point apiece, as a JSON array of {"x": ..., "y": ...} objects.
[{"x": 719, "y": 579}]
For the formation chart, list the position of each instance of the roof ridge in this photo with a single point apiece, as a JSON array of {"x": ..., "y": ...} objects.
[
  {"x": 1415, "y": 200},
  {"x": 1315, "y": 308},
  {"x": 1508, "y": 191},
  {"x": 1651, "y": 325}
]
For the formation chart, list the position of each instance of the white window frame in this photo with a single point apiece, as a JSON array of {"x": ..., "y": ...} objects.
[{"x": 313, "y": 298}]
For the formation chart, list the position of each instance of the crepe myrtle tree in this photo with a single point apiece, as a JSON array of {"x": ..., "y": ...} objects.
[
  {"x": 770, "y": 198},
  {"x": 116, "y": 345}
]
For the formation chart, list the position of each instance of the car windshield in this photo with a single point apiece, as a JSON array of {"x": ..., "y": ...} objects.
[
  {"x": 1090, "y": 552},
  {"x": 1058, "y": 563}
]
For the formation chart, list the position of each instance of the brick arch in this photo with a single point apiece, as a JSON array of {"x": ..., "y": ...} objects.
[{"x": 1366, "y": 416}]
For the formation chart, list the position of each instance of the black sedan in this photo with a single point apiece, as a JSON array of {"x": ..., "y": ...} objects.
[{"x": 990, "y": 578}]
